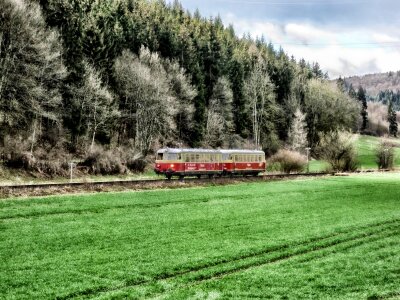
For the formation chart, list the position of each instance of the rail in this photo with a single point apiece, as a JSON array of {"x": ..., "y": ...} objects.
[{"x": 7, "y": 191}]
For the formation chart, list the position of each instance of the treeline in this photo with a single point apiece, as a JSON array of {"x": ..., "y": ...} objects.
[
  {"x": 139, "y": 74},
  {"x": 378, "y": 113}
]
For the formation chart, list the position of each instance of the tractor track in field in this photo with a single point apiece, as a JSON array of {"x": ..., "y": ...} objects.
[
  {"x": 7, "y": 191},
  {"x": 198, "y": 274}
]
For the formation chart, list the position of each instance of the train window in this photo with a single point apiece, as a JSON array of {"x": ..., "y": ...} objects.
[
  {"x": 160, "y": 156},
  {"x": 179, "y": 156},
  {"x": 192, "y": 158},
  {"x": 172, "y": 156},
  {"x": 197, "y": 158}
]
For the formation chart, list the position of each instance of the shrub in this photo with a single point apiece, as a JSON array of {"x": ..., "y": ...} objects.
[
  {"x": 132, "y": 159},
  {"x": 103, "y": 162},
  {"x": 289, "y": 161},
  {"x": 136, "y": 165},
  {"x": 385, "y": 155},
  {"x": 337, "y": 148},
  {"x": 48, "y": 162}
]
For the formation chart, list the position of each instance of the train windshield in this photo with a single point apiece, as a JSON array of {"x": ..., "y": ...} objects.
[{"x": 160, "y": 156}]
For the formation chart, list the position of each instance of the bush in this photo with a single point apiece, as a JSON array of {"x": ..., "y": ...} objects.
[
  {"x": 132, "y": 159},
  {"x": 136, "y": 165},
  {"x": 385, "y": 155},
  {"x": 337, "y": 148},
  {"x": 49, "y": 162},
  {"x": 289, "y": 161},
  {"x": 103, "y": 162}
]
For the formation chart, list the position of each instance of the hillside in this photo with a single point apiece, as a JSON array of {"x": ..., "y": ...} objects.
[
  {"x": 105, "y": 83},
  {"x": 375, "y": 83}
]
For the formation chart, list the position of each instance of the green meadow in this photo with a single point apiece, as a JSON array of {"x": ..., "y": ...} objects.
[
  {"x": 325, "y": 238},
  {"x": 366, "y": 152}
]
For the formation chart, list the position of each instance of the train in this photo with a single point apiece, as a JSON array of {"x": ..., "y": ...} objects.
[{"x": 173, "y": 162}]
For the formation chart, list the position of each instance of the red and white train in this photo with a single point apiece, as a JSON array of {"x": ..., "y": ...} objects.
[{"x": 198, "y": 162}]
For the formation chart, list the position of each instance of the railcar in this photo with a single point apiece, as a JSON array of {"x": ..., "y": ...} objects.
[
  {"x": 246, "y": 162},
  {"x": 197, "y": 162}
]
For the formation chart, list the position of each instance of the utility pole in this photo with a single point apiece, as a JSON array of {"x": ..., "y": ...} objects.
[{"x": 71, "y": 167}]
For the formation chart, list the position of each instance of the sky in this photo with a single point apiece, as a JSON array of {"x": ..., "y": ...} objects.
[{"x": 346, "y": 37}]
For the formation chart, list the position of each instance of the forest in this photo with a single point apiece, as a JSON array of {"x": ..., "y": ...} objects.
[{"x": 90, "y": 80}]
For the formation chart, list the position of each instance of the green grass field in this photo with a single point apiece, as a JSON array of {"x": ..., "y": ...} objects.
[
  {"x": 329, "y": 238},
  {"x": 365, "y": 147}
]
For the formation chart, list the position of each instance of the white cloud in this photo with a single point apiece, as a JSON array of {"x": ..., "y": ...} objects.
[{"x": 339, "y": 51}]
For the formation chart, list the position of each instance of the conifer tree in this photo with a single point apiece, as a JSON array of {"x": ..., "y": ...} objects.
[
  {"x": 392, "y": 118},
  {"x": 363, "y": 100}
]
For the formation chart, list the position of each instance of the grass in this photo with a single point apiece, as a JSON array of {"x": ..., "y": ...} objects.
[
  {"x": 366, "y": 146},
  {"x": 335, "y": 237}
]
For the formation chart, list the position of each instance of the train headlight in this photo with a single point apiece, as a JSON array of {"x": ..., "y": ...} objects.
[{"x": 172, "y": 165}]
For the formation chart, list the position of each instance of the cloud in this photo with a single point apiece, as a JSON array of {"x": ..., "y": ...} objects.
[{"x": 339, "y": 51}]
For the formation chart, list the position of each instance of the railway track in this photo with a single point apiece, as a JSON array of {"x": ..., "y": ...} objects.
[{"x": 7, "y": 191}]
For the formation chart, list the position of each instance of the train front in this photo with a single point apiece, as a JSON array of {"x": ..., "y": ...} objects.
[
  {"x": 167, "y": 162},
  {"x": 159, "y": 166}
]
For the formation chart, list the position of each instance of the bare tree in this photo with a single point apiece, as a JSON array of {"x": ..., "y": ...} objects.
[
  {"x": 259, "y": 92},
  {"x": 145, "y": 87},
  {"x": 31, "y": 71},
  {"x": 184, "y": 92},
  {"x": 298, "y": 132},
  {"x": 97, "y": 102}
]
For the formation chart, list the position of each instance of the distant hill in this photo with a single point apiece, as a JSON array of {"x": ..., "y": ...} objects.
[{"x": 376, "y": 83}]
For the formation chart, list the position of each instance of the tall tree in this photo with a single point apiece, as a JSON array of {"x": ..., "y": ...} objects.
[
  {"x": 363, "y": 101},
  {"x": 31, "y": 71},
  {"x": 298, "y": 132},
  {"x": 97, "y": 104},
  {"x": 328, "y": 109},
  {"x": 392, "y": 118},
  {"x": 259, "y": 92},
  {"x": 220, "y": 117},
  {"x": 148, "y": 101}
]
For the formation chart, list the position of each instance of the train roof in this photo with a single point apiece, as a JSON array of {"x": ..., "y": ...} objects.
[
  {"x": 224, "y": 151},
  {"x": 183, "y": 150},
  {"x": 241, "y": 151}
]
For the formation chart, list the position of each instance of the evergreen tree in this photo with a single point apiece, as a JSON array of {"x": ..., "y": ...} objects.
[
  {"x": 392, "y": 118},
  {"x": 352, "y": 92},
  {"x": 220, "y": 118},
  {"x": 363, "y": 100},
  {"x": 341, "y": 84}
]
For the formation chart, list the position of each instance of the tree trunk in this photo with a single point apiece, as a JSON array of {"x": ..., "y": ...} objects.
[{"x": 33, "y": 136}]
